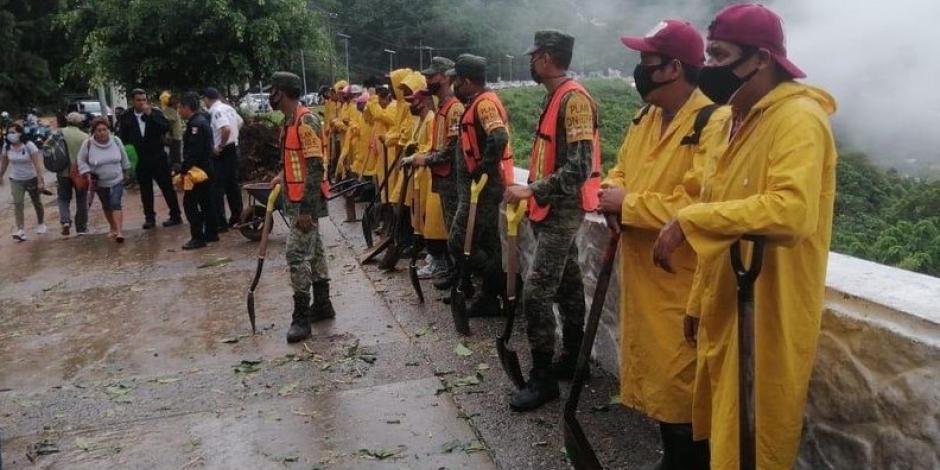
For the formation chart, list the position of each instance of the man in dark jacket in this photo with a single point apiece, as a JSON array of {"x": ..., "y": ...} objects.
[
  {"x": 144, "y": 128},
  {"x": 197, "y": 148}
]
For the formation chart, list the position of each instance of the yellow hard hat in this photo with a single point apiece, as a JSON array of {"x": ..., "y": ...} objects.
[
  {"x": 165, "y": 98},
  {"x": 340, "y": 85}
]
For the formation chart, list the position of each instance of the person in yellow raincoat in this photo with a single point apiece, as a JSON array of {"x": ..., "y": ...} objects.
[
  {"x": 427, "y": 205},
  {"x": 672, "y": 141},
  {"x": 379, "y": 113},
  {"x": 331, "y": 112},
  {"x": 402, "y": 121},
  {"x": 777, "y": 180},
  {"x": 345, "y": 123}
]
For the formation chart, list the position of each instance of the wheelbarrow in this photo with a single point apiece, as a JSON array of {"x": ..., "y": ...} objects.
[{"x": 252, "y": 219}]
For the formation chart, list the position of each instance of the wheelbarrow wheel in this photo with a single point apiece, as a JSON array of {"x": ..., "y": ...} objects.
[{"x": 252, "y": 222}]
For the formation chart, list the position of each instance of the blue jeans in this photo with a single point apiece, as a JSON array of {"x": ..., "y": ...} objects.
[
  {"x": 65, "y": 188},
  {"x": 111, "y": 197}
]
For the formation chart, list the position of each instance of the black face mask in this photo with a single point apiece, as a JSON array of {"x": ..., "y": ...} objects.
[
  {"x": 643, "y": 77},
  {"x": 535, "y": 75},
  {"x": 433, "y": 88},
  {"x": 274, "y": 100},
  {"x": 720, "y": 83}
]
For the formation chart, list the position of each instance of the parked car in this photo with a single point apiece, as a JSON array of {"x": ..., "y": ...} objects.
[
  {"x": 254, "y": 103},
  {"x": 310, "y": 99}
]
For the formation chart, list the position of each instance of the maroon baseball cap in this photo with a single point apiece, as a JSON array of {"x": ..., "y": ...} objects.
[
  {"x": 753, "y": 25},
  {"x": 671, "y": 38}
]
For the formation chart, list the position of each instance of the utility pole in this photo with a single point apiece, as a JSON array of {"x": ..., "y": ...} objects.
[
  {"x": 510, "y": 57},
  {"x": 329, "y": 24},
  {"x": 345, "y": 38},
  {"x": 499, "y": 70},
  {"x": 303, "y": 69},
  {"x": 391, "y": 54},
  {"x": 420, "y": 55}
]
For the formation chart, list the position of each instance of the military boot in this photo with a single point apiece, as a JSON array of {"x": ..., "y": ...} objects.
[
  {"x": 680, "y": 452},
  {"x": 487, "y": 304},
  {"x": 322, "y": 308},
  {"x": 568, "y": 359},
  {"x": 300, "y": 320},
  {"x": 541, "y": 388}
]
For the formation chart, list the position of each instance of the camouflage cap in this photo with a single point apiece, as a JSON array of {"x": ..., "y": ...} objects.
[
  {"x": 286, "y": 81},
  {"x": 470, "y": 66},
  {"x": 552, "y": 40},
  {"x": 438, "y": 65}
]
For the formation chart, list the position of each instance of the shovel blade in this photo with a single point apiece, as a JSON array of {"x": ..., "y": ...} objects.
[
  {"x": 509, "y": 359},
  {"x": 367, "y": 219},
  {"x": 579, "y": 450},
  {"x": 458, "y": 309},
  {"x": 371, "y": 253},
  {"x": 251, "y": 311},
  {"x": 415, "y": 282}
]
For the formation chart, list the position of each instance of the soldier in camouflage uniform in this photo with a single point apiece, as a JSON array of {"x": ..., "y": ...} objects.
[
  {"x": 490, "y": 127},
  {"x": 562, "y": 161},
  {"x": 302, "y": 150}
]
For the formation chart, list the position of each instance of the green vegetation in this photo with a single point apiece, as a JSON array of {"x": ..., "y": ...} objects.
[{"x": 879, "y": 215}]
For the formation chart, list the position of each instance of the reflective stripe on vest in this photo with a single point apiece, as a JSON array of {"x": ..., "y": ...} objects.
[
  {"x": 471, "y": 146},
  {"x": 542, "y": 159},
  {"x": 440, "y": 136},
  {"x": 295, "y": 168}
]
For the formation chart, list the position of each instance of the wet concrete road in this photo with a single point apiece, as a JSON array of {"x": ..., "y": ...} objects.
[{"x": 134, "y": 356}]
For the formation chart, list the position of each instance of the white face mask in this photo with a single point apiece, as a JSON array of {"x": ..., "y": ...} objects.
[{"x": 13, "y": 137}]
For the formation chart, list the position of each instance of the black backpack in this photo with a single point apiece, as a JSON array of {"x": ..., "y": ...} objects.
[
  {"x": 701, "y": 120},
  {"x": 55, "y": 153}
]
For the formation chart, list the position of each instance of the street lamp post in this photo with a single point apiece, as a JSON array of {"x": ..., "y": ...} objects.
[
  {"x": 345, "y": 38},
  {"x": 303, "y": 69},
  {"x": 391, "y": 54},
  {"x": 510, "y": 57}
]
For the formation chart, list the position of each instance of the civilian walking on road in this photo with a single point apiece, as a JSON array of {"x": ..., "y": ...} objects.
[
  {"x": 225, "y": 125},
  {"x": 102, "y": 156},
  {"x": 25, "y": 177},
  {"x": 144, "y": 128},
  {"x": 66, "y": 185}
]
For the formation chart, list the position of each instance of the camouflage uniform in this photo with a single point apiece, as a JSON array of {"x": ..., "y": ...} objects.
[
  {"x": 305, "y": 255},
  {"x": 493, "y": 136},
  {"x": 555, "y": 276}
]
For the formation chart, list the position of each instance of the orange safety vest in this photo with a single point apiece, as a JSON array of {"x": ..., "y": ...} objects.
[
  {"x": 440, "y": 134},
  {"x": 542, "y": 160},
  {"x": 295, "y": 166},
  {"x": 470, "y": 144}
]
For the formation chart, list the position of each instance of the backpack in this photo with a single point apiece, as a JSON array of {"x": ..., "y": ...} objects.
[
  {"x": 701, "y": 120},
  {"x": 55, "y": 154}
]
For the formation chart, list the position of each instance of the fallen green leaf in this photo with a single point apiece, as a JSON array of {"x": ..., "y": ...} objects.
[
  {"x": 462, "y": 350},
  {"x": 82, "y": 443},
  {"x": 615, "y": 400},
  {"x": 466, "y": 381},
  {"x": 483, "y": 366},
  {"x": 248, "y": 366},
  {"x": 424, "y": 330},
  {"x": 382, "y": 453},
  {"x": 215, "y": 261},
  {"x": 287, "y": 389}
]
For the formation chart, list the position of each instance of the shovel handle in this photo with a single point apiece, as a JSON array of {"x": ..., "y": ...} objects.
[
  {"x": 514, "y": 213},
  {"x": 476, "y": 187},
  {"x": 268, "y": 220}
]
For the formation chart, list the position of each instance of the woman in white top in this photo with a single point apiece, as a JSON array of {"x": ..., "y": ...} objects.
[
  {"x": 102, "y": 157},
  {"x": 26, "y": 171}
]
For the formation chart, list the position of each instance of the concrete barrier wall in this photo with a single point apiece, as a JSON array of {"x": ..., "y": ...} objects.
[{"x": 875, "y": 392}]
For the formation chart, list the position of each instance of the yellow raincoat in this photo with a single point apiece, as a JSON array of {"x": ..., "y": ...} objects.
[
  {"x": 381, "y": 119},
  {"x": 330, "y": 112},
  {"x": 402, "y": 119},
  {"x": 406, "y": 126},
  {"x": 661, "y": 176},
  {"x": 776, "y": 179},
  {"x": 431, "y": 223}
]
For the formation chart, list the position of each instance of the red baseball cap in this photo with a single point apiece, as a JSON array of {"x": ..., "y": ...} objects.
[
  {"x": 671, "y": 38},
  {"x": 753, "y": 25}
]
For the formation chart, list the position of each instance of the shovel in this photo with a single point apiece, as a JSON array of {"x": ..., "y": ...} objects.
[
  {"x": 579, "y": 450},
  {"x": 417, "y": 217},
  {"x": 369, "y": 216},
  {"x": 262, "y": 249},
  {"x": 508, "y": 357},
  {"x": 458, "y": 301},
  {"x": 393, "y": 253},
  {"x": 747, "y": 423}
]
